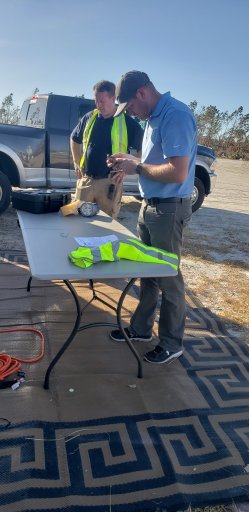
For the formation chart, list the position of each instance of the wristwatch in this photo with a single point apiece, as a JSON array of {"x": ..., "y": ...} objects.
[{"x": 139, "y": 168}]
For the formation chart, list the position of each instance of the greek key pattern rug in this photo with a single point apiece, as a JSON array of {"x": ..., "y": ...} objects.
[{"x": 102, "y": 440}]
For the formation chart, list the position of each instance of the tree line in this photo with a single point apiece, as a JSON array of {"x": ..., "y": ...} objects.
[{"x": 227, "y": 133}]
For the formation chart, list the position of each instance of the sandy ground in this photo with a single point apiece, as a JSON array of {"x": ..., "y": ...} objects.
[{"x": 215, "y": 260}]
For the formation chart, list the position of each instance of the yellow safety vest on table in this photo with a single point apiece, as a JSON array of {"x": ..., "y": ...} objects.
[{"x": 130, "y": 249}]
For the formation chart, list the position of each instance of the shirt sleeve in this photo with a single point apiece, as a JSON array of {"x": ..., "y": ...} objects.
[
  {"x": 178, "y": 134},
  {"x": 77, "y": 133},
  {"x": 135, "y": 133}
]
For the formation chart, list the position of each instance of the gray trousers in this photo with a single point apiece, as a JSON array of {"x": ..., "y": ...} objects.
[{"x": 162, "y": 226}]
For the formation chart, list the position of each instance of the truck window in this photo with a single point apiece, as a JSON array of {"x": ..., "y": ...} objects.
[
  {"x": 78, "y": 111},
  {"x": 33, "y": 113},
  {"x": 23, "y": 113}
]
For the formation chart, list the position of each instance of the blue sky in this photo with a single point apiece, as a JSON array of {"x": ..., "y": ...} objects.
[{"x": 197, "y": 49}]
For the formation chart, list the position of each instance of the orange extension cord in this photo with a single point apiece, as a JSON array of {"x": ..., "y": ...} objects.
[{"x": 10, "y": 364}]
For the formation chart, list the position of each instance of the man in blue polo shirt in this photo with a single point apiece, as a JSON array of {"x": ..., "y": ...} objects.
[{"x": 166, "y": 180}]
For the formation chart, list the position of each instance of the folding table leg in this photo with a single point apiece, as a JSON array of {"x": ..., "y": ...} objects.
[
  {"x": 128, "y": 341},
  {"x": 77, "y": 328},
  {"x": 70, "y": 337}
]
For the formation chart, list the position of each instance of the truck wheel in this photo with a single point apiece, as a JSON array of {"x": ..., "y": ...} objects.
[
  {"x": 198, "y": 194},
  {"x": 5, "y": 192}
]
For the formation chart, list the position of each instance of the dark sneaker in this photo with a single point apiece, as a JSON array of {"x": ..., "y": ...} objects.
[
  {"x": 118, "y": 336},
  {"x": 160, "y": 356}
]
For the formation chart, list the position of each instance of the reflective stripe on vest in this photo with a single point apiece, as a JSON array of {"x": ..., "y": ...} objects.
[
  {"x": 131, "y": 249},
  {"x": 119, "y": 136}
]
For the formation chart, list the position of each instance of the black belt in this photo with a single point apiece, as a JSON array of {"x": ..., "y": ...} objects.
[
  {"x": 153, "y": 201},
  {"x": 97, "y": 176}
]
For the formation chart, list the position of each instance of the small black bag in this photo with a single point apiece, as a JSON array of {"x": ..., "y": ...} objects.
[{"x": 40, "y": 201}]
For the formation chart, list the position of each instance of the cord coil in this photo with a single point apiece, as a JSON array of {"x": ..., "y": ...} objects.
[{"x": 10, "y": 364}]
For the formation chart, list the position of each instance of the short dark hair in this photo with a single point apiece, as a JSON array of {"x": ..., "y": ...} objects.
[{"x": 104, "y": 85}]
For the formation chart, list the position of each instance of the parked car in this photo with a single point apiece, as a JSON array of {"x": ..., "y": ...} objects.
[{"x": 36, "y": 152}]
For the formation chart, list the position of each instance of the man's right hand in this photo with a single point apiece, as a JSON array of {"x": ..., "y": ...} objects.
[
  {"x": 78, "y": 170},
  {"x": 120, "y": 162}
]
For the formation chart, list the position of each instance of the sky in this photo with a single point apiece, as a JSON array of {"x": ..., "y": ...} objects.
[{"x": 196, "y": 49}]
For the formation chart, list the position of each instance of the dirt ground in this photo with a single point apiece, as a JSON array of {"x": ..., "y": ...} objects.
[{"x": 215, "y": 260}]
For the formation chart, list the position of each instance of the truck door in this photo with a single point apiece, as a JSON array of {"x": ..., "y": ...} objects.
[{"x": 78, "y": 109}]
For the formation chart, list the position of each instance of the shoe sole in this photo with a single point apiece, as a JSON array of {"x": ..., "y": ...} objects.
[
  {"x": 168, "y": 360},
  {"x": 145, "y": 340}
]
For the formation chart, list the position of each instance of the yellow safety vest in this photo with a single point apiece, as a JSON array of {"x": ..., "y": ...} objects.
[
  {"x": 119, "y": 136},
  {"x": 130, "y": 249}
]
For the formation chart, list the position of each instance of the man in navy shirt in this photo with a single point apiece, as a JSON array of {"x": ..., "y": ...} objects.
[
  {"x": 166, "y": 180},
  {"x": 102, "y": 135}
]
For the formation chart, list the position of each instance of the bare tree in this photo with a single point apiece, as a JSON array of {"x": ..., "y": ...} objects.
[{"x": 9, "y": 112}]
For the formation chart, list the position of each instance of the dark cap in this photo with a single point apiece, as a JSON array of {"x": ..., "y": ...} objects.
[{"x": 127, "y": 87}]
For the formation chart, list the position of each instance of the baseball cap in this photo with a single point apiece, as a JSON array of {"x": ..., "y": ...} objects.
[{"x": 127, "y": 87}]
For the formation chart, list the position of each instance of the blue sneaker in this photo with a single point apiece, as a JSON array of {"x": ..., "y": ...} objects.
[{"x": 117, "y": 335}]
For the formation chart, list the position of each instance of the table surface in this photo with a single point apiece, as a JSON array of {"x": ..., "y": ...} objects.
[{"x": 49, "y": 239}]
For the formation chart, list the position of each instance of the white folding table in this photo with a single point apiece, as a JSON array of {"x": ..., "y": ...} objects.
[{"x": 49, "y": 238}]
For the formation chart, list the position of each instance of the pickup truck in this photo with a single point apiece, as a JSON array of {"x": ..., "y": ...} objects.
[{"x": 36, "y": 152}]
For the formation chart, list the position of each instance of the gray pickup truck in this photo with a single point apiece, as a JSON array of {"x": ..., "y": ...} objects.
[{"x": 36, "y": 152}]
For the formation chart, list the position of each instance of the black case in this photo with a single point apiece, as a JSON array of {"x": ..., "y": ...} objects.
[{"x": 40, "y": 201}]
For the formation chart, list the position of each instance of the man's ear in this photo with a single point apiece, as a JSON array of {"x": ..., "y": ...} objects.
[{"x": 141, "y": 94}]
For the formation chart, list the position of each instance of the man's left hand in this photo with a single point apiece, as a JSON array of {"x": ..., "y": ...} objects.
[
  {"x": 117, "y": 177},
  {"x": 127, "y": 165}
]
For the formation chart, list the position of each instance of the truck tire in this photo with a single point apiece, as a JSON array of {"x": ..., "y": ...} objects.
[
  {"x": 5, "y": 192},
  {"x": 198, "y": 194}
]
